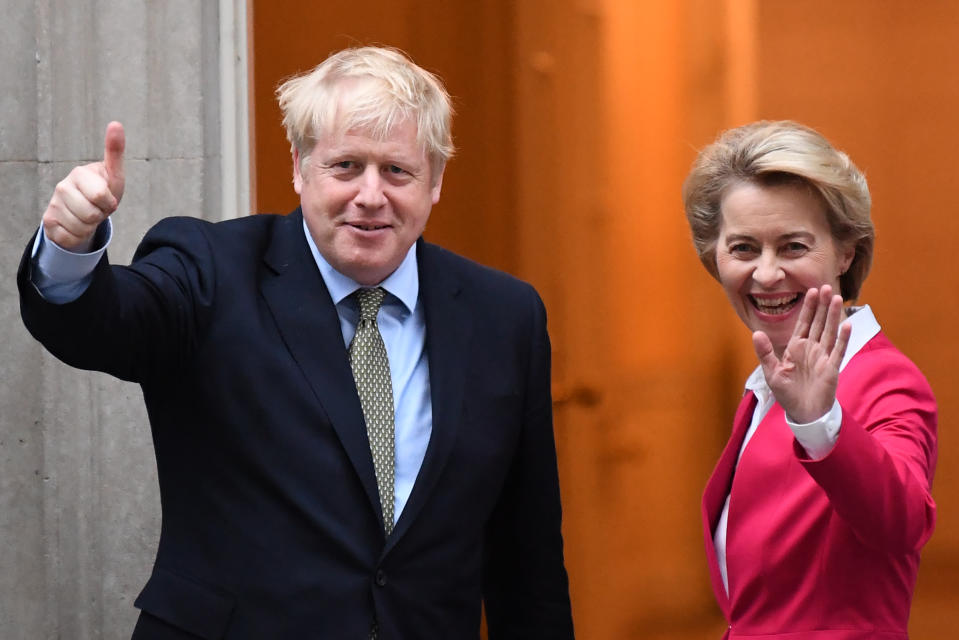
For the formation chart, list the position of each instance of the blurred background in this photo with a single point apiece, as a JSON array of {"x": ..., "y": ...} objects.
[{"x": 576, "y": 123}]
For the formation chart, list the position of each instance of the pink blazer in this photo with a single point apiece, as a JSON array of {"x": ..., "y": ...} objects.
[{"x": 829, "y": 549}]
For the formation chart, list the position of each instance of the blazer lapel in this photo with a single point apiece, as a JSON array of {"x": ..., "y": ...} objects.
[
  {"x": 717, "y": 489},
  {"x": 307, "y": 321},
  {"x": 448, "y": 333}
]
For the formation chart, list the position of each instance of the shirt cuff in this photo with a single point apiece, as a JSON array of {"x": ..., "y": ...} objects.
[
  {"x": 61, "y": 275},
  {"x": 819, "y": 437}
]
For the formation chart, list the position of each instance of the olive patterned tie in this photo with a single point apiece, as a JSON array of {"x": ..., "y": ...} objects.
[{"x": 371, "y": 371}]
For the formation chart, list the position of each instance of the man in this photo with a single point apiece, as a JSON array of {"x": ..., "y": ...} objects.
[{"x": 353, "y": 427}]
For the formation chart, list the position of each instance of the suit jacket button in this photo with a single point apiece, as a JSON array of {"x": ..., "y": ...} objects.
[{"x": 381, "y": 578}]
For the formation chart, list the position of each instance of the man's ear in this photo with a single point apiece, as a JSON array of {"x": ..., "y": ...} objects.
[
  {"x": 437, "y": 184},
  {"x": 297, "y": 176}
]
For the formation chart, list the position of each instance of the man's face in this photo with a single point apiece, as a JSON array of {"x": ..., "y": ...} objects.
[{"x": 366, "y": 201}]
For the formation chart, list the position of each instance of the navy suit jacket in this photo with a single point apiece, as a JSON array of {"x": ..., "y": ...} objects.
[{"x": 271, "y": 520}]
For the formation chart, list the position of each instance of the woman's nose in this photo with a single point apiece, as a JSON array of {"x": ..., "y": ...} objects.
[{"x": 768, "y": 271}]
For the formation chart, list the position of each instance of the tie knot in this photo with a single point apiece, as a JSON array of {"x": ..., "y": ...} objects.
[{"x": 370, "y": 301}]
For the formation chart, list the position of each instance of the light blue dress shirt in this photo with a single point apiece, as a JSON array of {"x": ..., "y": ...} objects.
[
  {"x": 62, "y": 276},
  {"x": 402, "y": 324}
]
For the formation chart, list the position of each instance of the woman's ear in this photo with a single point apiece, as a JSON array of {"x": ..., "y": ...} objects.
[{"x": 848, "y": 254}]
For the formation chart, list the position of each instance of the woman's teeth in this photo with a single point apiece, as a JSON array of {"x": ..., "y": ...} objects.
[{"x": 775, "y": 306}]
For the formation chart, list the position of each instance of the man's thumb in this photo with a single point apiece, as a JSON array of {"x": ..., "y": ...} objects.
[{"x": 114, "y": 143}]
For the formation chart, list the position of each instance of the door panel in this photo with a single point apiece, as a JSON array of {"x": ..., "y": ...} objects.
[{"x": 576, "y": 123}]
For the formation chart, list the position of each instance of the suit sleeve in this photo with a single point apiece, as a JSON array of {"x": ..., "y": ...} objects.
[
  {"x": 131, "y": 322},
  {"x": 526, "y": 588},
  {"x": 879, "y": 475}
]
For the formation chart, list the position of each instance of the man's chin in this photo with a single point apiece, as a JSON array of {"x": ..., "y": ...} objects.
[{"x": 368, "y": 274}]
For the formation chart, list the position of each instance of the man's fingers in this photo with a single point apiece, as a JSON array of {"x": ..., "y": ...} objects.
[
  {"x": 75, "y": 213},
  {"x": 61, "y": 236},
  {"x": 80, "y": 202},
  {"x": 114, "y": 144},
  {"x": 88, "y": 187},
  {"x": 66, "y": 230}
]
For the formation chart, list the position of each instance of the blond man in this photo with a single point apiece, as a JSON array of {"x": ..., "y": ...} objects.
[{"x": 353, "y": 427}]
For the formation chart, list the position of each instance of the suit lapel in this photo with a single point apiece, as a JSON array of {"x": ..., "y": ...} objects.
[
  {"x": 448, "y": 334},
  {"x": 718, "y": 487},
  {"x": 306, "y": 317}
]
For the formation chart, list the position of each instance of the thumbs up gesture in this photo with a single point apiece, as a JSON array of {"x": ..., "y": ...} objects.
[{"x": 87, "y": 196}]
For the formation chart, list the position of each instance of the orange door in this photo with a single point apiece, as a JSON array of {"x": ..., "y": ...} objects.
[{"x": 576, "y": 123}]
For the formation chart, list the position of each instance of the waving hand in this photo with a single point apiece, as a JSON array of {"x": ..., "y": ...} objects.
[{"x": 804, "y": 378}]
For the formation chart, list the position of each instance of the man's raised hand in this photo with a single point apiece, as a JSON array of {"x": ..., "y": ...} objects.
[{"x": 87, "y": 196}]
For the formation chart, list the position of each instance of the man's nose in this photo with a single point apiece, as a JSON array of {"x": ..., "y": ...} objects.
[
  {"x": 768, "y": 270},
  {"x": 371, "y": 192}
]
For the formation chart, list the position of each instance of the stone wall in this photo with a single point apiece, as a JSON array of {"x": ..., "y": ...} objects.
[{"x": 79, "y": 506}]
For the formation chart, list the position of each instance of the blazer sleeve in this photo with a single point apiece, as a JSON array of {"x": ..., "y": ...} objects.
[
  {"x": 879, "y": 475},
  {"x": 131, "y": 322},
  {"x": 526, "y": 588}
]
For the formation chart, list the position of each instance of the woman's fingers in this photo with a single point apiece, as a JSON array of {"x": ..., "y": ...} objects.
[
  {"x": 839, "y": 351},
  {"x": 806, "y": 313},
  {"x": 834, "y": 317},
  {"x": 818, "y": 324},
  {"x": 763, "y": 347}
]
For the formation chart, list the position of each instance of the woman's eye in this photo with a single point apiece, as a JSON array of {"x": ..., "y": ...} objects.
[
  {"x": 795, "y": 247},
  {"x": 740, "y": 249}
]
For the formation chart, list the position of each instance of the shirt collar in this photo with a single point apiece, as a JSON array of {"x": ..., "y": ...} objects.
[
  {"x": 403, "y": 283},
  {"x": 864, "y": 328}
]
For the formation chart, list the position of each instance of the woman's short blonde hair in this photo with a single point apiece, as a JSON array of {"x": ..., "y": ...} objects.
[
  {"x": 371, "y": 89},
  {"x": 771, "y": 152}
]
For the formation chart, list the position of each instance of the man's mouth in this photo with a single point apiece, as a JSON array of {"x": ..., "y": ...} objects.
[
  {"x": 777, "y": 305},
  {"x": 369, "y": 227}
]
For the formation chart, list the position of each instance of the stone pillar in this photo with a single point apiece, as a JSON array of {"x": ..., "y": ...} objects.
[{"x": 79, "y": 506}]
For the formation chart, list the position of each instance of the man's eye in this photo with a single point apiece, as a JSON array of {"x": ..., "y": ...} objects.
[
  {"x": 344, "y": 164},
  {"x": 395, "y": 169}
]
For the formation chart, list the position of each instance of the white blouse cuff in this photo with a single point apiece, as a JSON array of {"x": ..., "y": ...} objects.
[{"x": 819, "y": 437}]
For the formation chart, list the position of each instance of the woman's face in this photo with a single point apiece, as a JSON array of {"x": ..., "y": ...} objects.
[{"x": 774, "y": 244}]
